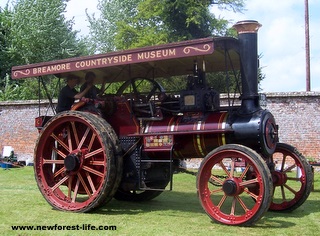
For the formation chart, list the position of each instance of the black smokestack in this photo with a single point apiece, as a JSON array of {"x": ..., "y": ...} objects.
[{"x": 248, "y": 46}]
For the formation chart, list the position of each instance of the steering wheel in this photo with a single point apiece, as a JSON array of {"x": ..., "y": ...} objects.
[{"x": 141, "y": 87}]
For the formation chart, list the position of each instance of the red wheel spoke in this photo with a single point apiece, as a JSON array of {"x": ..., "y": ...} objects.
[
  {"x": 283, "y": 162},
  {"x": 69, "y": 139},
  {"x": 233, "y": 207},
  {"x": 60, "y": 142},
  {"x": 75, "y": 133},
  {"x": 290, "y": 168},
  {"x": 245, "y": 172},
  {"x": 225, "y": 169},
  {"x": 219, "y": 190},
  {"x": 248, "y": 182},
  {"x": 46, "y": 161},
  {"x": 91, "y": 142},
  {"x": 84, "y": 137},
  {"x": 293, "y": 178},
  {"x": 242, "y": 204},
  {"x": 216, "y": 191},
  {"x": 59, "y": 152},
  {"x": 57, "y": 173},
  {"x": 90, "y": 154},
  {"x": 215, "y": 179},
  {"x": 251, "y": 194},
  {"x": 76, "y": 189},
  {"x": 100, "y": 174},
  {"x": 283, "y": 194},
  {"x": 91, "y": 182},
  {"x": 222, "y": 200},
  {"x": 283, "y": 191},
  {"x": 59, "y": 183},
  {"x": 70, "y": 187},
  {"x": 232, "y": 167},
  {"x": 84, "y": 184},
  {"x": 290, "y": 189},
  {"x": 97, "y": 163}
]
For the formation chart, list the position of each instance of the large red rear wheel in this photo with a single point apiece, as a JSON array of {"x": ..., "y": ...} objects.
[
  {"x": 292, "y": 178},
  {"x": 234, "y": 185},
  {"x": 75, "y": 162}
]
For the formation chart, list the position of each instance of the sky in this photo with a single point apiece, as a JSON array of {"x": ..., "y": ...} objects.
[{"x": 281, "y": 39}]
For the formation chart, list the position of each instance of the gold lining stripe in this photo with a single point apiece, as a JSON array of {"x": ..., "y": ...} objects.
[
  {"x": 199, "y": 137},
  {"x": 223, "y": 126}
]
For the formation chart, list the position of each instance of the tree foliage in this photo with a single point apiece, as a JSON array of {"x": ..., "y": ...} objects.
[
  {"x": 39, "y": 32},
  {"x": 34, "y": 31},
  {"x": 5, "y": 23},
  {"x": 127, "y": 24},
  {"x": 104, "y": 28}
]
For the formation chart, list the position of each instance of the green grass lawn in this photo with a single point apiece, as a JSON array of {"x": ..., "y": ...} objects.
[{"x": 172, "y": 213}]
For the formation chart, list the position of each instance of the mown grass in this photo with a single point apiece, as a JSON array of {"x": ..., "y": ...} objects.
[{"x": 172, "y": 213}]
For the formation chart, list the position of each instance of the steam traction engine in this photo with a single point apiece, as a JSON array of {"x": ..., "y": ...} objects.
[{"x": 129, "y": 144}]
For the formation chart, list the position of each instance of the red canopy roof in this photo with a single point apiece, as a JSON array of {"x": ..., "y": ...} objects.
[{"x": 153, "y": 61}]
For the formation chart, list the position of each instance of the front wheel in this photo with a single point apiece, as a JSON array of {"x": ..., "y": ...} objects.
[{"x": 234, "y": 185}]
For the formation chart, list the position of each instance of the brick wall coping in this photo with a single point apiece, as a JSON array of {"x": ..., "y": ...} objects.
[
  {"x": 280, "y": 94},
  {"x": 25, "y": 102},
  {"x": 269, "y": 95},
  {"x": 293, "y": 94}
]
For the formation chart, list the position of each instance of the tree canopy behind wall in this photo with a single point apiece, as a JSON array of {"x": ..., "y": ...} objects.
[{"x": 34, "y": 31}]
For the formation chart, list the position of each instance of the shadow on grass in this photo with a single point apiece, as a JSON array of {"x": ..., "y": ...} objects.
[
  {"x": 280, "y": 219},
  {"x": 276, "y": 219},
  {"x": 316, "y": 191},
  {"x": 167, "y": 201},
  {"x": 175, "y": 203}
]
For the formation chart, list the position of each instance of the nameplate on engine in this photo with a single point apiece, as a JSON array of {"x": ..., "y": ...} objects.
[{"x": 158, "y": 142}]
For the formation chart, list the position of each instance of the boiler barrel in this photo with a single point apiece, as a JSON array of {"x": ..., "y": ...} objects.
[
  {"x": 195, "y": 136},
  {"x": 191, "y": 136}
]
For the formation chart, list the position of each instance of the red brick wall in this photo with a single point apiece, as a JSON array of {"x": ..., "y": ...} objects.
[
  {"x": 297, "y": 114},
  {"x": 17, "y": 127}
]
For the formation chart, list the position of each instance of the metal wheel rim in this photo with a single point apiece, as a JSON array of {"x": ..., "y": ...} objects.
[
  {"x": 86, "y": 186},
  {"x": 290, "y": 190},
  {"x": 254, "y": 196}
]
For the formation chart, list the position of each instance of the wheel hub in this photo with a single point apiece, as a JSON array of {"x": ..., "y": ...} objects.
[
  {"x": 231, "y": 187},
  {"x": 72, "y": 162},
  {"x": 278, "y": 178}
]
